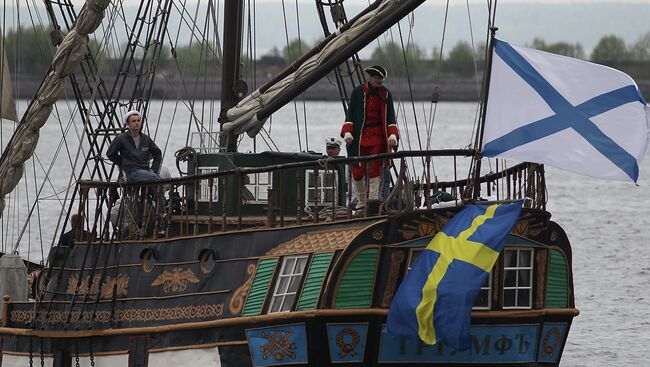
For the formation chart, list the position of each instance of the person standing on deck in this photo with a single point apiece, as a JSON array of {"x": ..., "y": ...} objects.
[
  {"x": 132, "y": 150},
  {"x": 370, "y": 128},
  {"x": 332, "y": 147},
  {"x": 76, "y": 225},
  {"x": 333, "y": 150}
]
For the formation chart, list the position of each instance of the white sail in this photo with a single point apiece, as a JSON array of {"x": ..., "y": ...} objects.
[
  {"x": 67, "y": 58},
  {"x": 243, "y": 117},
  {"x": 7, "y": 101}
]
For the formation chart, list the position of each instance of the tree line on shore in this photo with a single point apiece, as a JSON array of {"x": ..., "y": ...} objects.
[{"x": 29, "y": 52}]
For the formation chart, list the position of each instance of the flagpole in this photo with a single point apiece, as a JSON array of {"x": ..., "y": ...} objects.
[{"x": 479, "y": 135}]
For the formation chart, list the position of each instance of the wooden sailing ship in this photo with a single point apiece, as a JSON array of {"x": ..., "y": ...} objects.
[{"x": 262, "y": 263}]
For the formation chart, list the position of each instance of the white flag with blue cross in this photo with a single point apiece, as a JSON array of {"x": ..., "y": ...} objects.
[{"x": 568, "y": 113}]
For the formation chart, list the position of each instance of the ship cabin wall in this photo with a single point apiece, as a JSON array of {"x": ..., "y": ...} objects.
[
  {"x": 252, "y": 194},
  {"x": 526, "y": 276},
  {"x": 532, "y": 272},
  {"x": 529, "y": 275}
]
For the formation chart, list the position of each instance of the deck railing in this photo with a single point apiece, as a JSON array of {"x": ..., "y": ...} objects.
[{"x": 224, "y": 201}]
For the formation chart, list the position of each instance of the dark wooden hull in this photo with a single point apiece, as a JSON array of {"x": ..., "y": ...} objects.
[
  {"x": 158, "y": 302},
  {"x": 319, "y": 338}
]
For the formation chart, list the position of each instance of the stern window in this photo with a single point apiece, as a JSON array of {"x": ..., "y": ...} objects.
[
  {"x": 204, "y": 186},
  {"x": 518, "y": 278},
  {"x": 321, "y": 186},
  {"x": 287, "y": 283},
  {"x": 256, "y": 187},
  {"x": 483, "y": 301}
]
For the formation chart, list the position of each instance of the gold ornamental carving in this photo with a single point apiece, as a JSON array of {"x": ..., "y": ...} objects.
[
  {"x": 422, "y": 226},
  {"x": 209, "y": 311},
  {"x": 527, "y": 226},
  {"x": 119, "y": 283},
  {"x": 175, "y": 280},
  {"x": 278, "y": 346},
  {"x": 236, "y": 304},
  {"x": 350, "y": 348},
  {"x": 377, "y": 235},
  {"x": 323, "y": 241},
  {"x": 393, "y": 273}
]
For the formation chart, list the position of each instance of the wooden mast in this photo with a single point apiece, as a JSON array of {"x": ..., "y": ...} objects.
[{"x": 230, "y": 76}]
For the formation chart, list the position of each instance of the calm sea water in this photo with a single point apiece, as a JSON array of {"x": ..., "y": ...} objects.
[{"x": 607, "y": 222}]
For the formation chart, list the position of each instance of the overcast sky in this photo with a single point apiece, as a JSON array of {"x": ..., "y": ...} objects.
[
  {"x": 519, "y": 21},
  {"x": 573, "y": 21}
]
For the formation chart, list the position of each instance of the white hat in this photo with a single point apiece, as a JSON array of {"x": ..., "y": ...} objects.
[
  {"x": 332, "y": 141},
  {"x": 125, "y": 119}
]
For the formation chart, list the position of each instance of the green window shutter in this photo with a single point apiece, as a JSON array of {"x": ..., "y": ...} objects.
[
  {"x": 260, "y": 287},
  {"x": 557, "y": 285},
  {"x": 356, "y": 286},
  {"x": 314, "y": 282}
]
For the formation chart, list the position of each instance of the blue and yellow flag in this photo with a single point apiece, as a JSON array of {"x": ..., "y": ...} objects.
[{"x": 435, "y": 299}]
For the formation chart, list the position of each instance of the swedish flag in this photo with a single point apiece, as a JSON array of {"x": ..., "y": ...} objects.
[{"x": 435, "y": 299}]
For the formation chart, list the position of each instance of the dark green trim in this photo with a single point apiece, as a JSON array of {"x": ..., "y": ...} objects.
[
  {"x": 314, "y": 282},
  {"x": 260, "y": 287},
  {"x": 356, "y": 287},
  {"x": 557, "y": 286}
]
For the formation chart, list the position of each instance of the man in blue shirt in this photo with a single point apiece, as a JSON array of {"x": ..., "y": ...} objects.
[{"x": 132, "y": 150}]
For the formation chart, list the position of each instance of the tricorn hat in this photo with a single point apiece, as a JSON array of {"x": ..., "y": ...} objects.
[{"x": 376, "y": 70}]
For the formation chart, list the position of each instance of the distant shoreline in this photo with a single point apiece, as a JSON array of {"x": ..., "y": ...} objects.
[
  {"x": 421, "y": 89},
  {"x": 448, "y": 89}
]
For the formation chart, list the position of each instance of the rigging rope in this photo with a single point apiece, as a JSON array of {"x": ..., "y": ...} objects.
[
  {"x": 47, "y": 177},
  {"x": 268, "y": 140},
  {"x": 404, "y": 51},
  {"x": 290, "y": 57},
  {"x": 79, "y": 108},
  {"x": 478, "y": 83},
  {"x": 66, "y": 59},
  {"x": 401, "y": 197},
  {"x": 408, "y": 79},
  {"x": 304, "y": 104},
  {"x": 184, "y": 155},
  {"x": 17, "y": 61},
  {"x": 434, "y": 105}
]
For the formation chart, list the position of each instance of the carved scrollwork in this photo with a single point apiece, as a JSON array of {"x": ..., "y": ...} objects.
[
  {"x": 236, "y": 304},
  {"x": 527, "y": 226},
  {"x": 175, "y": 280},
  {"x": 119, "y": 283},
  {"x": 128, "y": 315},
  {"x": 393, "y": 273},
  {"x": 422, "y": 226}
]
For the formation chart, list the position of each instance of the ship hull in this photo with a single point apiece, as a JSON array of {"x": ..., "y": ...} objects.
[
  {"x": 172, "y": 305},
  {"x": 316, "y": 338}
]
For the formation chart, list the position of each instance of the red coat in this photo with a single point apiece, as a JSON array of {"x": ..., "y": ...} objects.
[{"x": 355, "y": 119}]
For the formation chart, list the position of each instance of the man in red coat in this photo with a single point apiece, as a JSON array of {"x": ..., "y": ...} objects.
[{"x": 370, "y": 128}]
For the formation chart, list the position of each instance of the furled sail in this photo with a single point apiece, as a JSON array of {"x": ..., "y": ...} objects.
[
  {"x": 251, "y": 113},
  {"x": 66, "y": 60},
  {"x": 7, "y": 101}
]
